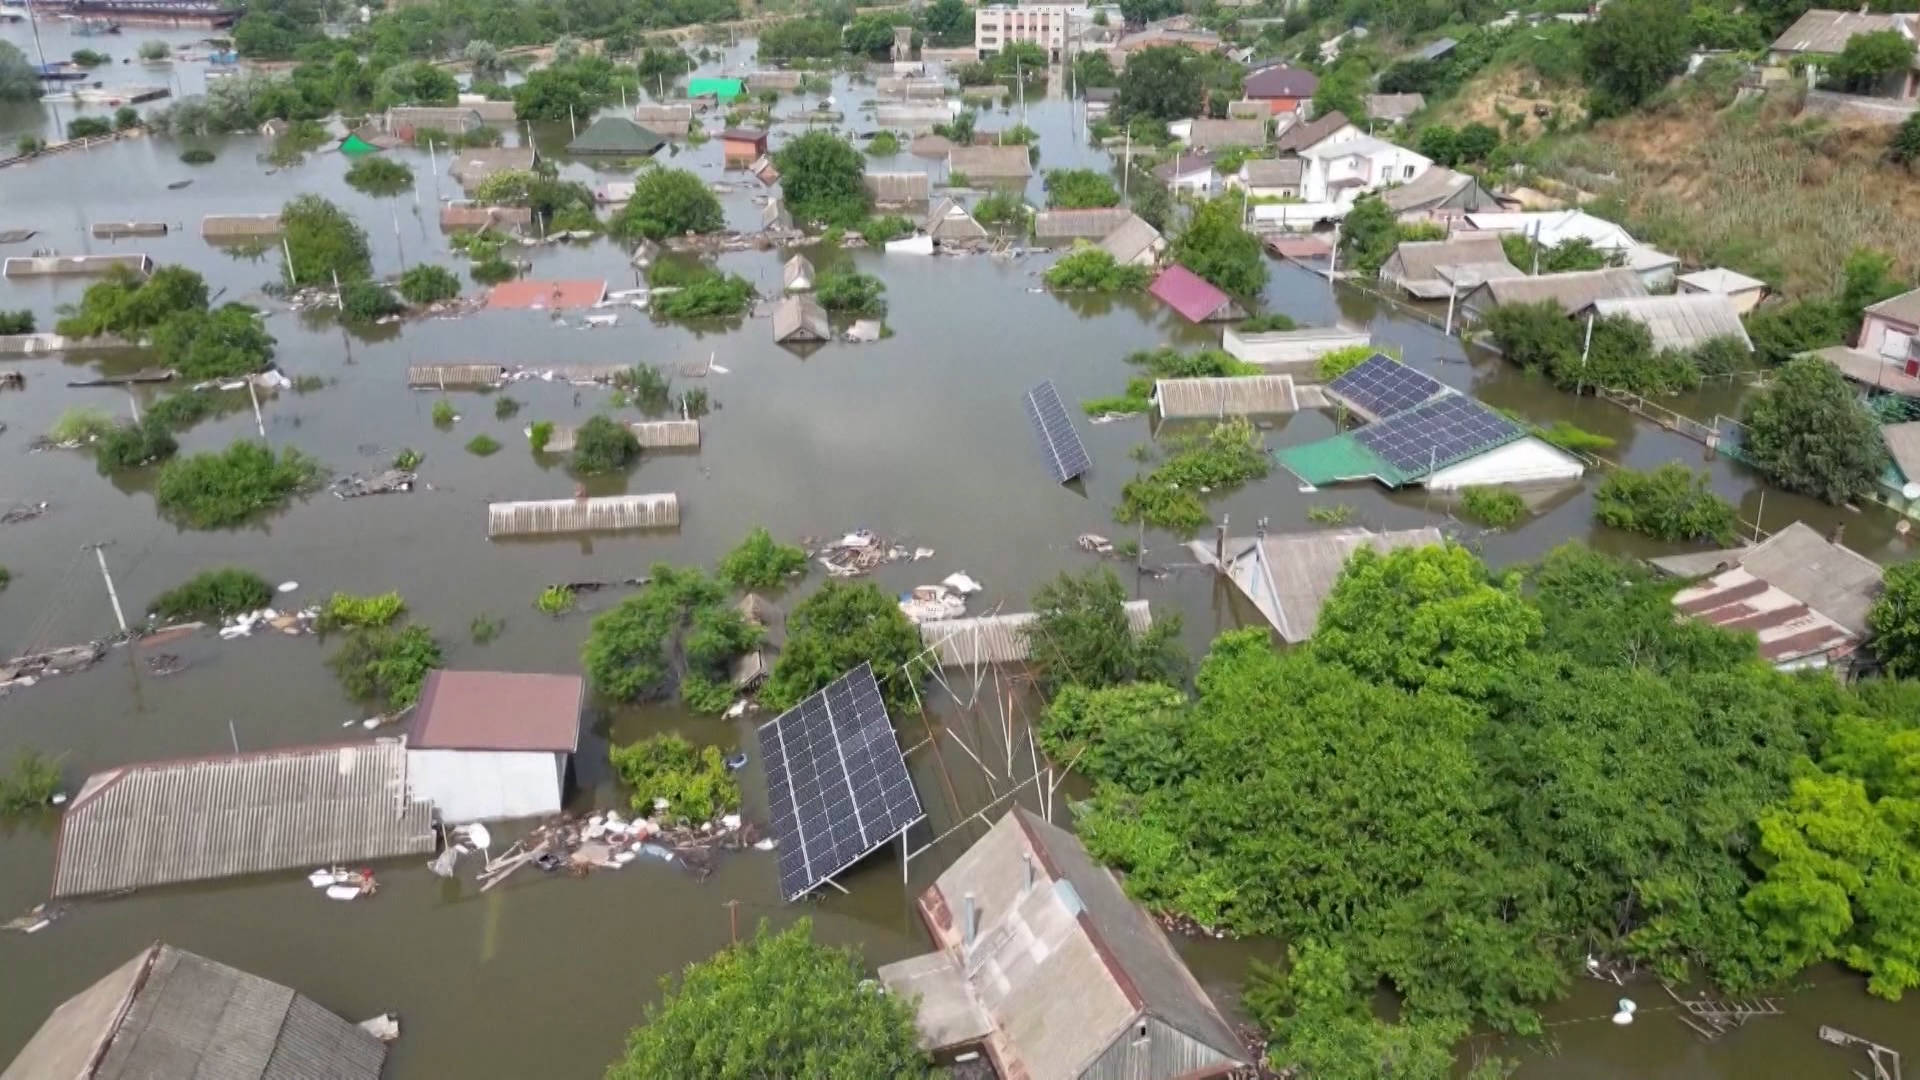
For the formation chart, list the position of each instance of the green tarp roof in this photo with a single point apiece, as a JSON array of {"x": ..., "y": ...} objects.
[
  {"x": 615, "y": 135},
  {"x": 724, "y": 88},
  {"x": 355, "y": 146},
  {"x": 1332, "y": 460}
]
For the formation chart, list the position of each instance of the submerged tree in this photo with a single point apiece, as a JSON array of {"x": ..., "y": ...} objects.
[{"x": 1808, "y": 431}]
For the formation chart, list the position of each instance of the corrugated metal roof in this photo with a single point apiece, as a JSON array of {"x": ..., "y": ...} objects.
[
  {"x": 897, "y": 187},
  {"x": 797, "y": 274},
  {"x": 650, "y": 434},
  {"x": 800, "y": 319},
  {"x": 1289, "y": 576},
  {"x": 452, "y": 119},
  {"x": 470, "y": 166},
  {"x": 609, "y": 513},
  {"x": 169, "y": 1013},
  {"x": 1788, "y": 630},
  {"x": 1001, "y": 639},
  {"x": 225, "y": 226},
  {"x": 1825, "y": 31},
  {"x": 194, "y": 820},
  {"x": 1208, "y": 134},
  {"x": 1335, "y": 459},
  {"x": 1194, "y": 297},
  {"x": 651, "y": 114},
  {"x": 1828, "y": 578},
  {"x": 1130, "y": 240},
  {"x": 1721, "y": 280},
  {"x": 1088, "y": 224},
  {"x": 1682, "y": 321},
  {"x": 1572, "y": 291},
  {"x": 990, "y": 162},
  {"x": 74, "y": 265},
  {"x": 1416, "y": 264},
  {"x": 1237, "y": 395},
  {"x": 497, "y": 710},
  {"x": 948, "y": 220}
]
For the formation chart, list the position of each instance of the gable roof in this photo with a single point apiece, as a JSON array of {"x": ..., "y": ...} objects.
[
  {"x": 615, "y": 135},
  {"x": 1183, "y": 165},
  {"x": 1555, "y": 227},
  {"x": 1903, "y": 445},
  {"x": 1394, "y": 106},
  {"x": 1292, "y": 574},
  {"x": 1434, "y": 50},
  {"x": 1826, "y": 31},
  {"x": 1130, "y": 239},
  {"x": 1717, "y": 279},
  {"x": 990, "y": 162},
  {"x": 498, "y": 710},
  {"x": 1301, "y": 136},
  {"x": 1572, "y": 290},
  {"x": 1903, "y": 308},
  {"x": 799, "y": 319},
  {"x": 1207, "y": 134},
  {"x": 949, "y": 220},
  {"x": 1416, "y": 261},
  {"x": 474, "y": 164},
  {"x": 1828, "y": 578},
  {"x": 1358, "y": 146},
  {"x": 1680, "y": 320},
  {"x": 1194, "y": 297},
  {"x": 1438, "y": 186},
  {"x": 1280, "y": 81},
  {"x": 169, "y": 1013},
  {"x": 1088, "y": 224},
  {"x": 1272, "y": 172}
]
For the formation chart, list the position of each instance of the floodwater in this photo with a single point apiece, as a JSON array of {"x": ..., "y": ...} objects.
[{"x": 920, "y": 437}]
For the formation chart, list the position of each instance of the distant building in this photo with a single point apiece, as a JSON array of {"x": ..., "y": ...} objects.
[
  {"x": 1305, "y": 135},
  {"x": 743, "y": 146},
  {"x": 168, "y": 1014},
  {"x": 1439, "y": 194},
  {"x": 1045, "y": 967},
  {"x": 1433, "y": 269},
  {"x": 1269, "y": 178},
  {"x": 1820, "y": 35},
  {"x": 616, "y": 136},
  {"x": 1394, "y": 108},
  {"x": 1888, "y": 356},
  {"x": 494, "y": 745},
  {"x": 995, "y": 26},
  {"x": 1744, "y": 292},
  {"x": 404, "y": 121},
  {"x": 1341, "y": 170},
  {"x": 1206, "y": 134},
  {"x": 1156, "y": 36},
  {"x": 1282, "y": 87},
  {"x": 1189, "y": 172}
]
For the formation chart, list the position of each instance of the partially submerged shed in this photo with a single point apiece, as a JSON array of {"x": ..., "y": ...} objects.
[
  {"x": 950, "y": 221},
  {"x": 607, "y": 513},
  {"x": 743, "y": 146},
  {"x": 197, "y": 819},
  {"x": 1134, "y": 242},
  {"x": 168, "y": 1014},
  {"x": 119, "y": 230},
  {"x": 895, "y": 188},
  {"x": 989, "y": 162},
  {"x": 660, "y": 117},
  {"x": 472, "y": 165},
  {"x": 20, "y": 266},
  {"x": 1745, "y": 292},
  {"x": 1438, "y": 192},
  {"x": 1193, "y": 297},
  {"x": 240, "y": 226},
  {"x": 494, "y": 745},
  {"x": 565, "y": 295},
  {"x": 457, "y": 216},
  {"x": 1572, "y": 291},
  {"x": 1043, "y": 964},
  {"x": 800, "y": 320},
  {"x": 1088, "y": 224},
  {"x": 797, "y": 275},
  {"x": 1235, "y": 395},
  {"x": 650, "y": 434},
  {"x": 403, "y": 121},
  {"x": 1683, "y": 321},
  {"x": 1290, "y": 352},
  {"x": 1001, "y": 639},
  {"x": 1288, "y": 576}
]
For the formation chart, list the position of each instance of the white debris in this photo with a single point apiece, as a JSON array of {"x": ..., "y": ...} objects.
[
  {"x": 730, "y": 822},
  {"x": 321, "y": 879},
  {"x": 959, "y": 582},
  {"x": 288, "y": 586},
  {"x": 927, "y": 603},
  {"x": 736, "y": 710},
  {"x": 763, "y": 845},
  {"x": 343, "y": 892},
  {"x": 385, "y": 1027},
  {"x": 922, "y": 553}
]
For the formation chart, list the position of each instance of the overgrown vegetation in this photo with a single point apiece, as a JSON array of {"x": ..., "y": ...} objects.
[
  {"x": 820, "y": 174},
  {"x": 678, "y": 630},
  {"x": 1894, "y": 619},
  {"x": 761, "y": 562},
  {"x": 428, "y": 284},
  {"x": 1076, "y": 189},
  {"x": 213, "y": 594},
  {"x": 602, "y": 445},
  {"x": 1166, "y": 362},
  {"x": 215, "y": 490},
  {"x": 1080, "y": 636},
  {"x": 1089, "y": 268},
  {"x": 30, "y": 785},
  {"x": 693, "y": 784},
  {"x": 838, "y": 628},
  {"x": 322, "y": 241},
  {"x": 1214, "y": 246},
  {"x": 554, "y": 601},
  {"x": 1169, "y": 496},
  {"x": 346, "y": 611},
  {"x": 1539, "y": 337},
  {"x": 667, "y": 202},
  {"x": 1672, "y": 502},
  {"x": 377, "y": 175},
  {"x": 169, "y": 307},
  {"x": 483, "y": 445},
  {"x": 1494, "y": 507},
  {"x": 386, "y": 664},
  {"x": 848, "y": 292},
  {"x": 1808, "y": 432},
  {"x": 696, "y": 291}
]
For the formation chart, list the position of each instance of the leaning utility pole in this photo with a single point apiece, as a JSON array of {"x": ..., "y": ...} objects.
[{"x": 118, "y": 615}]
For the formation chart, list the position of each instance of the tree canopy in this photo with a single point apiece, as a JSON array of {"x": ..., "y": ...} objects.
[
  {"x": 1895, "y": 621},
  {"x": 1214, "y": 246},
  {"x": 821, "y": 175},
  {"x": 1631, "y": 49},
  {"x": 1078, "y": 189},
  {"x": 1809, "y": 432},
  {"x": 667, "y": 202},
  {"x": 1080, "y": 635},
  {"x": 1160, "y": 83},
  {"x": 837, "y": 629}
]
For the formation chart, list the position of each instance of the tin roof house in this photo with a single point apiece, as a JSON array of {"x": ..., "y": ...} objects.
[
  {"x": 1288, "y": 577},
  {"x": 168, "y": 1014},
  {"x": 1043, "y": 965},
  {"x": 1195, "y": 298},
  {"x": 494, "y": 745}
]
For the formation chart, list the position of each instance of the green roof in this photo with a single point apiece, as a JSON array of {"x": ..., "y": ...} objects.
[
  {"x": 615, "y": 135},
  {"x": 1341, "y": 457},
  {"x": 724, "y": 88},
  {"x": 355, "y": 146}
]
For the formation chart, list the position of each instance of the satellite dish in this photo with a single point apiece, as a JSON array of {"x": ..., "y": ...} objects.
[{"x": 1912, "y": 490}]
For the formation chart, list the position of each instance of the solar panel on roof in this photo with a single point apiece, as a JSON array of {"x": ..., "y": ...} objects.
[
  {"x": 1059, "y": 443},
  {"x": 1437, "y": 434},
  {"x": 1381, "y": 387},
  {"x": 837, "y": 783}
]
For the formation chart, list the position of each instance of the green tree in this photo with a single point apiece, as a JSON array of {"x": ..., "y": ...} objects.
[
  {"x": 1092, "y": 69},
  {"x": 821, "y": 175},
  {"x": 1151, "y": 200},
  {"x": 1075, "y": 189},
  {"x": 667, "y": 202},
  {"x": 677, "y": 627},
  {"x": 761, "y": 562},
  {"x": 18, "y": 79},
  {"x": 777, "y": 1005},
  {"x": 1370, "y": 232},
  {"x": 695, "y": 784},
  {"x": 1439, "y": 142},
  {"x": 798, "y": 39},
  {"x": 871, "y": 34},
  {"x": 426, "y": 283},
  {"x": 948, "y": 22},
  {"x": 1895, "y": 621},
  {"x": 847, "y": 292},
  {"x": 1631, "y": 49},
  {"x": 1214, "y": 246},
  {"x": 1904, "y": 148},
  {"x": 379, "y": 176},
  {"x": 1159, "y": 83},
  {"x": 603, "y": 446},
  {"x": 213, "y": 594},
  {"x": 483, "y": 61},
  {"x": 1672, "y": 502},
  {"x": 1869, "y": 58},
  {"x": 1809, "y": 432},
  {"x": 226, "y": 342},
  {"x": 1080, "y": 634},
  {"x": 1781, "y": 332},
  {"x": 1475, "y": 142},
  {"x": 416, "y": 83},
  {"x": 1867, "y": 277},
  {"x": 216, "y": 490},
  {"x": 837, "y": 629},
  {"x": 1321, "y": 1023},
  {"x": 323, "y": 241}
]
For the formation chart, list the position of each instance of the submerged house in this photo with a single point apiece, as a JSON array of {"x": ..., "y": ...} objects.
[
  {"x": 1193, "y": 297},
  {"x": 168, "y": 1014},
  {"x": 1574, "y": 290},
  {"x": 1134, "y": 242},
  {"x": 1288, "y": 577},
  {"x": 1069, "y": 225},
  {"x": 1434, "y": 269},
  {"x": 800, "y": 320},
  {"x": 616, "y": 136},
  {"x": 494, "y": 745},
  {"x": 1804, "y": 597},
  {"x": 797, "y": 275},
  {"x": 989, "y": 162},
  {"x": 1682, "y": 321},
  {"x": 950, "y": 221},
  {"x": 1047, "y": 969}
]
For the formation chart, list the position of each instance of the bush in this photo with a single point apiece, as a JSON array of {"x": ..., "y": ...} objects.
[
  {"x": 31, "y": 785},
  {"x": 345, "y": 611},
  {"x": 129, "y": 446},
  {"x": 554, "y": 601},
  {"x": 483, "y": 444},
  {"x": 197, "y": 155},
  {"x": 428, "y": 284},
  {"x": 1904, "y": 148},
  {"x": 538, "y": 434},
  {"x": 323, "y": 240},
  {"x": 1168, "y": 497},
  {"x": 821, "y": 176},
  {"x": 1337, "y": 362},
  {"x": 386, "y": 665},
  {"x": 1670, "y": 503},
  {"x": 1080, "y": 636},
  {"x": 1076, "y": 189},
  {"x": 667, "y": 202},
  {"x": 209, "y": 491},
  {"x": 220, "y": 344},
  {"x": 177, "y": 412},
  {"x": 603, "y": 446},
  {"x": 126, "y": 118},
  {"x": 80, "y": 425},
  {"x": 492, "y": 270},
  {"x": 16, "y": 322},
  {"x": 845, "y": 292},
  {"x": 443, "y": 414},
  {"x": 1494, "y": 507},
  {"x": 694, "y": 784},
  {"x": 408, "y": 459},
  {"x": 998, "y": 208},
  {"x": 213, "y": 594},
  {"x": 883, "y": 144},
  {"x": 1895, "y": 621},
  {"x": 838, "y": 628},
  {"x": 1268, "y": 323},
  {"x": 760, "y": 562},
  {"x": 87, "y": 127},
  {"x": 379, "y": 176},
  {"x": 647, "y": 385},
  {"x": 709, "y": 295},
  {"x": 368, "y": 301},
  {"x": 679, "y": 623},
  {"x": 1090, "y": 268},
  {"x": 1569, "y": 436},
  {"x": 876, "y": 231},
  {"x": 155, "y": 50},
  {"x": 1214, "y": 246}
]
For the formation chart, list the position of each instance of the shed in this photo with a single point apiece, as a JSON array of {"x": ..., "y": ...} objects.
[
  {"x": 491, "y": 112},
  {"x": 797, "y": 274},
  {"x": 566, "y": 295},
  {"x": 1221, "y": 134},
  {"x": 1288, "y": 576},
  {"x": 1394, "y": 108},
  {"x": 1572, "y": 291},
  {"x": 721, "y": 88},
  {"x": 494, "y": 745},
  {"x": 743, "y": 145},
  {"x": 1234, "y": 395},
  {"x": 1744, "y": 292},
  {"x": 951, "y": 221},
  {"x": 1043, "y": 964},
  {"x": 1002, "y": 638},
  {"x": 1683, "y": 321},
  {"x": 662, "y": 118},
  {"x": 1432, "y": 269},
  {"x": 989, "y": 162},
  {"x": 616, "y": 136},
  {"x": 1192, "y": 296},
  {"x": 1438, "y": 192},
  {"x": 606, "y": 513},
  {"x": 20, "y": 266},
  {"x": 774, "y": 80},
  {"x": 1134, "y": 242},
  {"x": 472, "y": 165},
  {"x": 895, "y": 188},
  {"x": 456, "y": 216},
  {"x": 650, "y": 434},
  {"x": 1805, "y": 597},
  {"x": 914, "y": 117},
  {"x": 197, "y": 819},
  {"x": 800, "y": 320},
  {"x": 120, "y": 230},
  {"x": 218, "y": 227},
  {"x": 1292, "y": 352},
  {"x": 168, "y": 1014},
  {"x": 1088, "y": 224},
  {"x": 402, "y": 121}
]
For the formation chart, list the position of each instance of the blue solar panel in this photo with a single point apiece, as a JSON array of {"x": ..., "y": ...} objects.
[
  {"x": 837, "y": 783},
  {"x": 1437, "y": 434},
  {"x": 1382, "y": 387},
  {"x": 1059, "y": 443}
]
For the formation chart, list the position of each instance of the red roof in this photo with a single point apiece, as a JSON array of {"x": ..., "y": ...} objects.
[
  {"x": 1281, "y": 81},
  {"x": 548, "y": 295},
  {"x": 1186, "y": 292},
  {"x": 498, "y": 710}
]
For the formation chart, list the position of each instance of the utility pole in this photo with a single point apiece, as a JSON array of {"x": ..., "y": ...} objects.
[
  {"x": 733, "y": 920},
  {"x": 113, "y": 595},
  {"x": 1580, "y": 384}
]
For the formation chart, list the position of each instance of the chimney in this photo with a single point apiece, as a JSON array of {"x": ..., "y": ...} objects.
[
  {"x": 1027, "y": 858},
  {"x": 972, "y": 924}
]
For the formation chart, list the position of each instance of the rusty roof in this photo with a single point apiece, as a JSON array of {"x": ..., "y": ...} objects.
[
  {"x": 498, "y": 710},
  {"x": 547, "y": 295}
]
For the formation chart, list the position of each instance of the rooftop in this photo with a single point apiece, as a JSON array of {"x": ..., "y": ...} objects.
[
  {"x": 1720, "y": 280},
  {"x": 1194, "y": 297},
  {"x": 498, "y": 710},
  {"x": 1130, "y": 239},
  {"x": 1825, "y": 577},
  {"x": 1281, "y": 81},
  {"x": 1394, "y": 106},
  {"x": 1903, "y": 308},
  {"x": 1903, "y": 445},
  {"x": 1300, "y": 136},
  {"x": 547, "y": 295},
  {"x": 616, "y": 135},
  {"x": 1683, "y": 321},
  {"x": 1214, "y": 133},
  {"x": 1826, "y": 31},
  {"x": 1289, "y": 576},
  {"x": 1573, "y": 290},
  {"x": 990, "y": 162},
  {"x": 1272, "y": 172}
]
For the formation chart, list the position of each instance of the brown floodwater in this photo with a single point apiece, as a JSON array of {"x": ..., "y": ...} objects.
[{"x": 920, "y": 437}]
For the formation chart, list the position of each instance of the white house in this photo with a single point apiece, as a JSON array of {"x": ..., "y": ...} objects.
[
  {"x": 1270, "y": 178},
  {"x": 1551, "y": 228},
  {"x": 1340, "y": 171},
  {"x": 1189, "y": 172},
  {"x": 493, "y": 745}
]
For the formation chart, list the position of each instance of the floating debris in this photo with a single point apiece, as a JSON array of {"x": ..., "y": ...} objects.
[
  {"x": 341, "y": 884},
  {"x": 863, "y": 330},
  {"x": 609, "y": 841},
  {"x": 37, "y": 918},
  {"x": 860, "y": 552},
  {"x": 162, "y": 665},
  {"x": 28, "y": 512},
  {"x": 961, "y": 583},
  {"x": 32, "y": 667},
  {"x": 296, "y": 622},
  {"x": 930, "y": 603},
  {"x": 1094, "y": 543},
  {"x": 385, "y": 1027},
  {"x": 386, "y": 483}
]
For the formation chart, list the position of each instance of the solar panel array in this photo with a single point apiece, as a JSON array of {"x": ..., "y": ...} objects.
[
  {"x": 837, "y": 784},
  {"x": 1437, "y": 434},
  {"x": 1059, "y": 442},
  {"x": 1381, "y": 387}
]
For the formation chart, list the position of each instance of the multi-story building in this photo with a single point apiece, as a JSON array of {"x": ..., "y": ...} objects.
[{"x": 1045, "y": 25}]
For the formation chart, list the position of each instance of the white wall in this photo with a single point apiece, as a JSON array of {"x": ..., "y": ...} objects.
[
  {"x": 1524, "y": 461},
  {"x": 487, "y": 785}
]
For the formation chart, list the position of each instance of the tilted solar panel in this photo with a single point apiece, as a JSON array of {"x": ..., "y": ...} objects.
[
  {"x": 1382, "y": 386},
  {"x": 1437, "y": 434},
  {"x": 1059, "y": 442}
]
